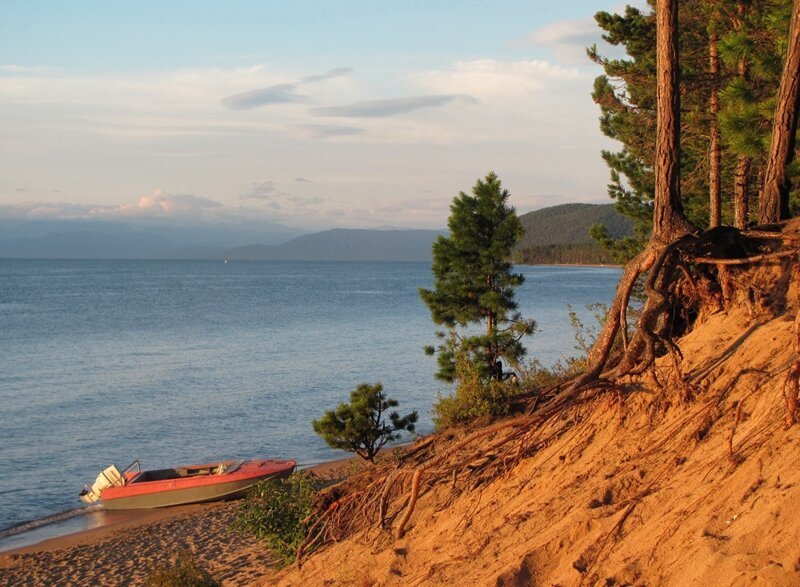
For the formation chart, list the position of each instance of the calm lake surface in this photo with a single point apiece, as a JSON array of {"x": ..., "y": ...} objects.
[{"x": 175, "y": 362}]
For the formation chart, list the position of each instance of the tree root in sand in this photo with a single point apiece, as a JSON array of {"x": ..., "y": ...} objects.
[{"x": 685, "y": 278}]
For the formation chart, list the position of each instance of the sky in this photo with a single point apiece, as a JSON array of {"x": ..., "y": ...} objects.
[{"x": 313, "y": 114}]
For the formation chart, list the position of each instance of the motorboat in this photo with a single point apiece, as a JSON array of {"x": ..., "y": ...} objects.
[{"x": 221, "y": 480}]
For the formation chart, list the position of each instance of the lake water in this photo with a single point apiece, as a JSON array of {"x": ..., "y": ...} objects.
[{"x": 175, "y": 362}]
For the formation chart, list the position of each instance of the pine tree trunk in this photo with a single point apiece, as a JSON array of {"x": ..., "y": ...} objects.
[
  {"x": 714, "y": 179},
  {"x": 774, "y": 200},
  {"x": 669, "y": 221},
  {"x": 741, "y": 193}
]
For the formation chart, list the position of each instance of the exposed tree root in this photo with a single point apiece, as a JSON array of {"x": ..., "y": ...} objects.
[
  {"x": 685, "y": 276},
  {"x": 378, "y": 496},
  {"x": 692, "y": 277},
  {"x": 412, "y": 502}
]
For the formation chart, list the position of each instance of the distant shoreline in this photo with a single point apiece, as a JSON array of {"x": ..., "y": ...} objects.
[
  {"x": 234, "y": 260},
  {"x": 599, "y": 265}
]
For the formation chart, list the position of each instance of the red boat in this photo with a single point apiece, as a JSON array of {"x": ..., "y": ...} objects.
[{"x": 137, "y": 489}]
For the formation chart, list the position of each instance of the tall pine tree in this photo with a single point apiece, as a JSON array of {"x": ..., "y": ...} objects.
[{"x": 474, "y": 283}]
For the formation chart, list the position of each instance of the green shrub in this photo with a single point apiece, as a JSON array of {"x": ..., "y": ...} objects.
[
  {"x": 184, "y": 573},
  {"x": 277, "y": 511},
  {"x": 477, "y": 396},
  {"x": 537, "y": 377},
  {"x": 474, "y": 397}
]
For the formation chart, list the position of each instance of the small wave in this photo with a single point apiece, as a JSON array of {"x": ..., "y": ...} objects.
[{"x": 53, "y": 519}]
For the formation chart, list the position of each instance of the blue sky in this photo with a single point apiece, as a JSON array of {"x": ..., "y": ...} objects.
[{"x": 313, "y": 114}]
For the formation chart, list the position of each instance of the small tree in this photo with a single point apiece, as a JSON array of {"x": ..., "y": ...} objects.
[
  {"x": 359, "y": 426},
  {"x": 474, "y": 283}
]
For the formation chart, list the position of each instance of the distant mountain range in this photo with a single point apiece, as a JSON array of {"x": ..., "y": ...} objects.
[
  {"x": 342, "y": 244},
  {"x": 153, "y": 239},
  {"x": 557, "y": 229}
]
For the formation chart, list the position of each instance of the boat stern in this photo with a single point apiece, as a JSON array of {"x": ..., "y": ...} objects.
[{"x": 108, "y": 477}]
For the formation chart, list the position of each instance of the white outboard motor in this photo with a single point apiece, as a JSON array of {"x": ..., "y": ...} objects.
[{"x": 109, "y": 477}]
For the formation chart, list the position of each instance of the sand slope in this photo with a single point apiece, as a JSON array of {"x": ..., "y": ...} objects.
[{"x": 648, "y": 487}]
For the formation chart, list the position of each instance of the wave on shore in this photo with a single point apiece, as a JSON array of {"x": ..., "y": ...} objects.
[{"x": 30, "y": 525}]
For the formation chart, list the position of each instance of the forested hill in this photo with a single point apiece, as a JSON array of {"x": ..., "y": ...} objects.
[{"x": 560, "y": 234}]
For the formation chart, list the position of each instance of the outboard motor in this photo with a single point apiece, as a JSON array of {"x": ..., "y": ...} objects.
[{"x": 109, "y": 477}]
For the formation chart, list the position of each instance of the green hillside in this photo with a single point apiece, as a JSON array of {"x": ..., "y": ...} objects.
[{"x": 560, "y": 234}]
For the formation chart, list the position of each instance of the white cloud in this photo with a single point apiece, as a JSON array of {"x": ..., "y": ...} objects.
[
  {"x": 566, "y": 32},
  {"x": 489, "y": 79},
  {"x": 131, "y": 132},
  {"x": 568, "y": 40},
  {"x": 160, "y": 204}
]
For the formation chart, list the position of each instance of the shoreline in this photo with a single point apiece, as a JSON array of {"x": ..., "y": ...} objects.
[
  {"x": 127, "y": 551},
  {"x": 119, "y": 520}
]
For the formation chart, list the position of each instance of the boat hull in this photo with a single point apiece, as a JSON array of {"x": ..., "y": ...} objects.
[{"x": 158, "y": 494}]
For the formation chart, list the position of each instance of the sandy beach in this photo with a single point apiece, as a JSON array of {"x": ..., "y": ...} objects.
[{"x": 125, "y": 552}]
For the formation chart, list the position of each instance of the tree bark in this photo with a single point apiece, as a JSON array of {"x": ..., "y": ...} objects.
[
  {"x": 774, "y": 200},
  {"x": 714, "y": 176},
  {"x": 669, "y": 221},
  {"x": 741, "y": 193}
]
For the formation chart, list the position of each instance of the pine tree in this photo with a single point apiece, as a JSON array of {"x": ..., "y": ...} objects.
[
  {"x": 474, "y": 283},
  {"x": 626, "y": 94},
  {"x": 359, "y": 426},
  {"x": 735, "y": 46}
]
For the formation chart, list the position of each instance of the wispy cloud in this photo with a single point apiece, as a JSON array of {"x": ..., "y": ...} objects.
[
  {"x": 330, "y": 74},
  {"x": 326, "y": 131},
  {"x": 566, "y": 39},
  {"x": 489, "y": 80},
  {"x": 266, "y": 190},
  {"x": 565, "y": 32},
  {"x": 287, "y": 93},
  {"x": 278, "y": 94},
  {"x": 391, "y": 106},
  {"x": 269, "y": 196}
]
